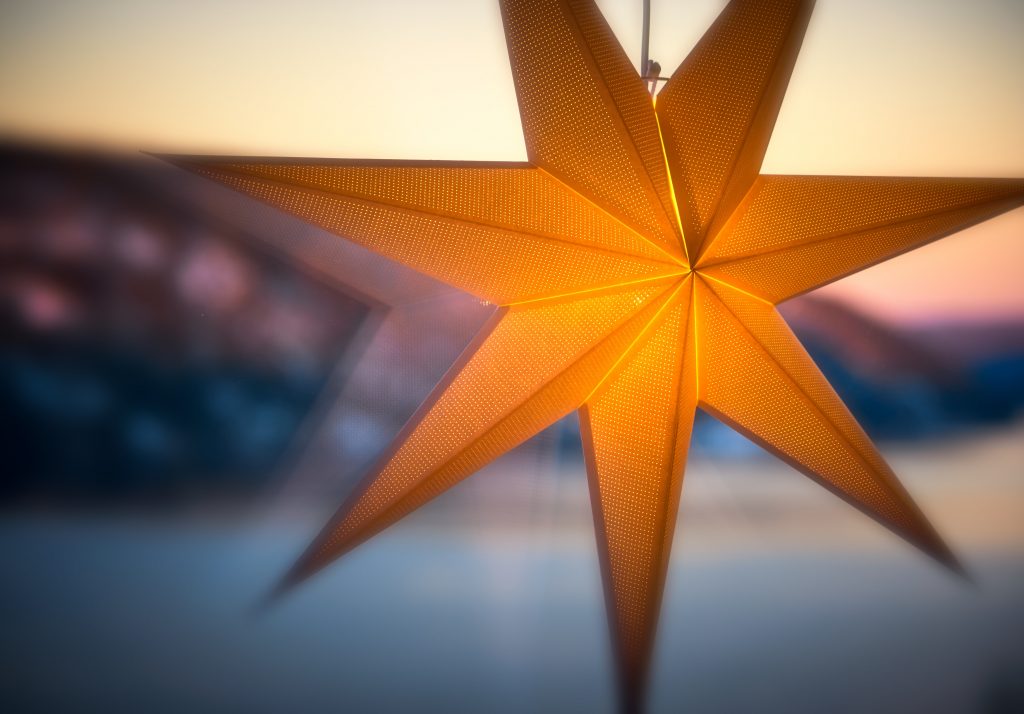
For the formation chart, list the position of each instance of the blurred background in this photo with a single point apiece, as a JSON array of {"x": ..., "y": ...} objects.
[{"x": 190, "y": 383}]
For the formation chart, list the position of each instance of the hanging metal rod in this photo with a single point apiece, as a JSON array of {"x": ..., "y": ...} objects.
[
  {"x": 645, "y": 39},
  {"x": 649, "y": 70}
]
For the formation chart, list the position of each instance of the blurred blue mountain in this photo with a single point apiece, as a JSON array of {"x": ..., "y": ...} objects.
[{"x": 148, "y": 347}]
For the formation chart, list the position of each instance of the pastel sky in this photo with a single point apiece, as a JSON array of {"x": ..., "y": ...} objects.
[{"x": 893, "y": 87}]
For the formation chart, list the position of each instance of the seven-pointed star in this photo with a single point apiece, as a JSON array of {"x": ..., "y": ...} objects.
[{"x": 636, "y": 258}]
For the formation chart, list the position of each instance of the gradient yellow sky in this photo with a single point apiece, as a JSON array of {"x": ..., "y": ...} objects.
[{"x": 911, "y": 87}]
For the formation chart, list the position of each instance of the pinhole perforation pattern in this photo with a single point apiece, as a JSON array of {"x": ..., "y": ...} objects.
[
  {"x": 593, "y": 295},
  {"x": 793, "y": 412},
  {"x": 496, "y": 264},
  {"x": 795, "y": 233},
  {"x": 530, "y": 371},
  {"x": 587, "y": 132},
  {"x": 631, "y": 99},
  {"x": 523, "y": 198},
  {"x": 636, "y": 433},
  {"x": 718, "y": 108}
]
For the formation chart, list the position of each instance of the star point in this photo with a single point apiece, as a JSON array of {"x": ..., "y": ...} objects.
[{"x": 636, "y": 260}]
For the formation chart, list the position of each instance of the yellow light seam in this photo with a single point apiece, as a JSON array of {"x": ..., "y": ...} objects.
[
  {"x": 636, "y": 340},
  {"x": 665, "y": 277}
]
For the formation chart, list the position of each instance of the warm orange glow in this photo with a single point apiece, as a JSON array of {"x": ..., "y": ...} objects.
[{"x": 582, "y": 247}]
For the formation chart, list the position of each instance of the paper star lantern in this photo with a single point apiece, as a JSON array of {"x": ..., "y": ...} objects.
[{"x": 637, "y": 259}]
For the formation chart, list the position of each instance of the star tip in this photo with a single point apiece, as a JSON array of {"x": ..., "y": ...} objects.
[
  {"x": 162, "y": 155},
  {"x": 267, "y": 602},
  {"x": 961, "y": 571},
  {"x": 631, "y": 698},
  {"x": 278, "y": 591},
  {"x": 955, "y": 566},
  {"x": 189, "y": 162},
  {"x": 183, "y": 161}
]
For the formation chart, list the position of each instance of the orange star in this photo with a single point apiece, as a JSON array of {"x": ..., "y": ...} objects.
[{"x": 636, "y": 258}]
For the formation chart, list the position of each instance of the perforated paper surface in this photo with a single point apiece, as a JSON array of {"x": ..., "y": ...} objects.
[{"x": 638, "y": 257}]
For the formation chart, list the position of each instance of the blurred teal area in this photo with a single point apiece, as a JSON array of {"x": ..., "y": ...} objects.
[
  {"x": 780, "y": 599},
  {"x": 189, "y": 382}
]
